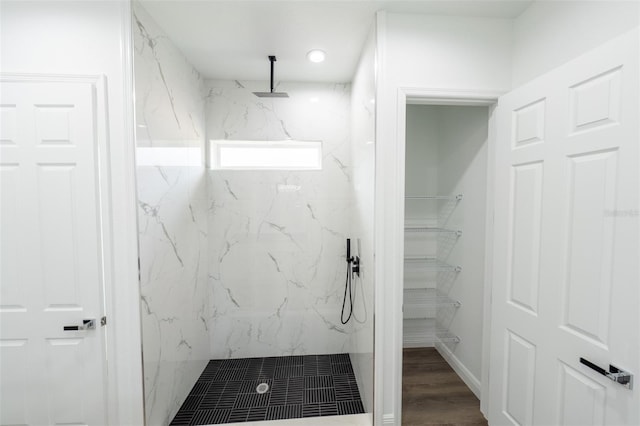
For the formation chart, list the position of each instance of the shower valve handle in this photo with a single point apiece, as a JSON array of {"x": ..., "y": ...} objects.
[{"x": 355, "y": 267}]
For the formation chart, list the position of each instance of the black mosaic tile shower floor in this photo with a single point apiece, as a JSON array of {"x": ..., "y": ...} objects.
[{"x": 299, "y": 386}]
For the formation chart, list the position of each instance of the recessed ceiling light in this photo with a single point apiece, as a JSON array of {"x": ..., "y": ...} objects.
[{"x": 316, "y": 55}]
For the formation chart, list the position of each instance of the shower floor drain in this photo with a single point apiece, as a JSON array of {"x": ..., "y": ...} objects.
[
  {"x": 262, "y": 388},
  {"x": 272, "y": 388}
]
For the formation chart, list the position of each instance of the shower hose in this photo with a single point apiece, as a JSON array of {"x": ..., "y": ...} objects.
[{"x": 347, "y": 288}]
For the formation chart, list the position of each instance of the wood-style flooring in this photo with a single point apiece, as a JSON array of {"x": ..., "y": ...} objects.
[{"x": 433, "y": 394}]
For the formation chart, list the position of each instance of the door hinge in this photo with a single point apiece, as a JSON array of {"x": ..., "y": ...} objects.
[{"x": 103, "y": 321}]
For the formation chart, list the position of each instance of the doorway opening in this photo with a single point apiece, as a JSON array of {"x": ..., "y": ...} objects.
[{"x": 445, "y": 240}]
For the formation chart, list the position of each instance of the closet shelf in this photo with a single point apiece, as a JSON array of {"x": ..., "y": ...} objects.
[
  {"x": 457, "y": 197},
  {"x": 418, "y": 334},
  {"x": 420, "y": 228},
  {"x": 421, "y": 303},
  {"x": 432, "y": 263},
  {"x": 423, "y": 307}
]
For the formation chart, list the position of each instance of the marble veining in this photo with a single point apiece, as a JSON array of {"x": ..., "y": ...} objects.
[
  {"x": 169, "y": 91},
  {"x": 276, "y": 244},
  {"x": 246, "y": 263},
  {"x": 172, "y": 221}
]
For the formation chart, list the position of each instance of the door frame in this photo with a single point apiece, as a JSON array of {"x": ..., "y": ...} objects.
[
  {"x": 395, "y": 224},
  {"x": 126, "y": 402}
]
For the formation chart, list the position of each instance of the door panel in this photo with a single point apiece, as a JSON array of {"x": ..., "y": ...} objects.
[
  {"x": 582, "y": 402},
  {"x": 589, "y": 246},
  {"x": 51, "y": 260},
  {"x": 526, "y": 188},
  {"x": 520, "y": 378},
  {"x": 566, "y": 243}
]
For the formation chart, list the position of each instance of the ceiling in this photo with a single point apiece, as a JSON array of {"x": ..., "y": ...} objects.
[{"x": 231, "y": 39}]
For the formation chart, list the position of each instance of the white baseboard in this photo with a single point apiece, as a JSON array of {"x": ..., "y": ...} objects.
[
  {"x": 388, "y": 419},
  {"x": 467, "y": 377}
]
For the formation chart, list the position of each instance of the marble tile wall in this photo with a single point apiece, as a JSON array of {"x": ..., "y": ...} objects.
[
  {"x": 362, "y": 145},
  {"x": 172, "y": 216},
  {"x": 246, "y": 263},
  {"x": 277, "y": 238}
]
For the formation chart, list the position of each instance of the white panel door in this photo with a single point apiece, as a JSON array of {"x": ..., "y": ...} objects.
[
  {"x": 566, "y": 244},
  {"x": 51, "y": 266}
]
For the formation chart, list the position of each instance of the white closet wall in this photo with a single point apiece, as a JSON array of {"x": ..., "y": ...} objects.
[
  {"x": 421, "y": 180},
  {"x": 446, "y": 155}
]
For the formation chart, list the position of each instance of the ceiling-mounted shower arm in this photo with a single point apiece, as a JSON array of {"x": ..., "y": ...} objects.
[
  {"x": 272, "y": 59},
  {"x": 271, "y": 93}
]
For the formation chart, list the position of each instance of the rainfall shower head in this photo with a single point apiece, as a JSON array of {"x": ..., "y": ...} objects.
[{"x": 271, "y": 94}]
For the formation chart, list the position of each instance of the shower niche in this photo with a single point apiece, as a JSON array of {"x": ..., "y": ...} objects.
[{"x": 444, "y": 233}]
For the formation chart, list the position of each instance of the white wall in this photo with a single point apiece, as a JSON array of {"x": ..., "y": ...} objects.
[
  {"x": 433, "y": 52},
  {"x": 172, "y": 217},
  {"x": 463, "y": 170},
  {"x": 448, "y": 52},
  {"x": 277, "y": 238},
  {"x": 361, "y": 221},
  {"x": 93, "y": 38},
  {"x": 550, "y": 33}
]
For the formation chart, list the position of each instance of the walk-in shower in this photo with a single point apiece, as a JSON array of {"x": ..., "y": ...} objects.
[{"x": 242, "y": 269}]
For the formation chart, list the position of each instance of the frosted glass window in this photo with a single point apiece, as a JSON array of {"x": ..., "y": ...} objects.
[{"x": 265, "y": 155}]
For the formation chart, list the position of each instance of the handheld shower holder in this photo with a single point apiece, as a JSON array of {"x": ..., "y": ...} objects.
[{"x": 352, "y": 261}]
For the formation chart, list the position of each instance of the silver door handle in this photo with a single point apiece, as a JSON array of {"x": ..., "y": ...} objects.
[
  {"x": 617, "y": 375},
  {"x": 87, "y": 324}
]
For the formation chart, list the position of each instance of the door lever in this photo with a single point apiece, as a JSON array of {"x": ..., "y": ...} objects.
[
  {"x": 617, "y": 375},
  {"x": 87, "y": 324}
]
